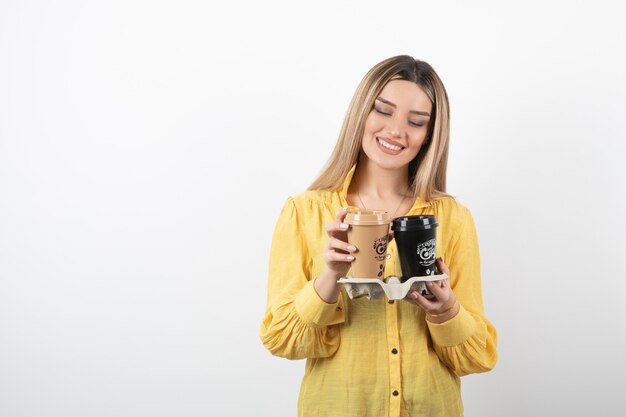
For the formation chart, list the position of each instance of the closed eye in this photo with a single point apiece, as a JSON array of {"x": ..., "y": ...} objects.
[
  {"x": 411, "y": 123},
  {"x": 381, "y": 112}
]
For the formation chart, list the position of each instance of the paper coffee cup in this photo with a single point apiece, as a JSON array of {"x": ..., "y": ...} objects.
[
  {"x": 416, "y": 239},
  {"x": 369, "y": 232}
]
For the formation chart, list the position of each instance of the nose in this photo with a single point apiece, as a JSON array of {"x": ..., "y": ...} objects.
[{"x": 396, "y": 127}]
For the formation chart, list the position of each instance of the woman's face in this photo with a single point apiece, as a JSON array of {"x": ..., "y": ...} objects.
[{"x": 397, "y": 126}]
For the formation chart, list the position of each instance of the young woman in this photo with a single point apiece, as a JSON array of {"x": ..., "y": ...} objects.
[{"x": 366, "y": 357}]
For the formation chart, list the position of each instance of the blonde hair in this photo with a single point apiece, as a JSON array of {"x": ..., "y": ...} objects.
[{"x": 427, "y": 172}]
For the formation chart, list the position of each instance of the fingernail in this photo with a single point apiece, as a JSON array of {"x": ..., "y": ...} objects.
[
  {"x": 350, "y": 258},
  {"x": 343, "y": 226},
  {"x": 351, "y": 248},
  {"x": 429, "y": 283},
  {"x": 344, "y": 208}
]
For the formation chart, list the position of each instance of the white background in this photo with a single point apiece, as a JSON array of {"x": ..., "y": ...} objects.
[{"x": 146, "y": 148}]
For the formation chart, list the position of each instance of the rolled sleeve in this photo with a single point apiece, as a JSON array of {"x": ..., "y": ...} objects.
[
  {"x": 454, "y": 331},
  {"x": 316, "y": 312}
]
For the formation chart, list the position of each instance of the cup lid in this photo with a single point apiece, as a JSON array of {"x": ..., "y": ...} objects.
[
  {"x": 411, "y": 223},
  {"x": 367, "y": 217}
]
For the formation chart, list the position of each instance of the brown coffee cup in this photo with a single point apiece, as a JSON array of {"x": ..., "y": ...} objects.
[{"x": 369, "y": 232}]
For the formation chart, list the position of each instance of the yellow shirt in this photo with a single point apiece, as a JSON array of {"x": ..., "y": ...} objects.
[{"x": 374, "y": 357}]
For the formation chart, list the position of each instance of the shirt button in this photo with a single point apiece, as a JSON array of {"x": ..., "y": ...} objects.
[
  {"x": 394, "y": 351},
  {"x": 396, "y": 393},
  {"x": 390, "y": 301}
]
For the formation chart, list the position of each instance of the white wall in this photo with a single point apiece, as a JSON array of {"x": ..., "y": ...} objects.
[{"x": 136, "y": 137}]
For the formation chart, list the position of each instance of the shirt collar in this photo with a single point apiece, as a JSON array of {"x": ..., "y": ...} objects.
[{"x": 343, "y": 193}]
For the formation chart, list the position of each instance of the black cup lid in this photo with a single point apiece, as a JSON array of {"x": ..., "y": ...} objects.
[{"x": 411, "y": 223}]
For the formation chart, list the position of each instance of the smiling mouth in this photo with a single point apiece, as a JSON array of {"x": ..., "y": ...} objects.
[{"x": 389, "y": 145}]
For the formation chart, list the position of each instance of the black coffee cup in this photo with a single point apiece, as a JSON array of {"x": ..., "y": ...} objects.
[{"x": 416, "y": 239}]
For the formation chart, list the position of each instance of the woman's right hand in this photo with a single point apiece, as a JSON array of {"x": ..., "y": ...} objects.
[
  {"x": 338, "y": 252},
  {"x": 337, "y": 256}
]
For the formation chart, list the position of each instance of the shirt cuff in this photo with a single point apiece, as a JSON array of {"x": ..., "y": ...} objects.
[
  {"x": 454, "y": 331},
  {"x": 316, "y": 312}
]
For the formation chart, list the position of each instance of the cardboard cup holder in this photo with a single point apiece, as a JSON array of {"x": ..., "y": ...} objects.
[{"x": 392, "y": 287}]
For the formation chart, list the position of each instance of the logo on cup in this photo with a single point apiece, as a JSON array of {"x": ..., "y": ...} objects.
[
  {"x": 426, "y": 252},
  {"x": 380, "y": 246}
]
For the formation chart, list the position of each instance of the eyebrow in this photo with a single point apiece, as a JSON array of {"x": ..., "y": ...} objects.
[{"x": 421, "y": 113}]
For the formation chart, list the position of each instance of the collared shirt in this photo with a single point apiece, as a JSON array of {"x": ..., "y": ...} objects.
[{"x": 374, "y": 357}]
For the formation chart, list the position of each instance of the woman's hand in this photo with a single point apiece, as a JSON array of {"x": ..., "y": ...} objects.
[
  {"x": 337, "y": 256},
  {"x": 444, "y": 305},
  {"x": 337, "y": 253}
]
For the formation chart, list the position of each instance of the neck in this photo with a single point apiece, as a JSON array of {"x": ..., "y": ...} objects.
[{"x": 377, "y": 182}]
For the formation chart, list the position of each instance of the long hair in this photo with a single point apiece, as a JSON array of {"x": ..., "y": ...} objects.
[{"x": 427, "y": 171}]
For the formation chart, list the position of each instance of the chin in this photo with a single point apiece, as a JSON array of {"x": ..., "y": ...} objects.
[{"x": 385, "y": 163}]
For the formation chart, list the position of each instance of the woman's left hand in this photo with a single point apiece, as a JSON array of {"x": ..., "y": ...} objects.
[{"x": 443, "y": 305}]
